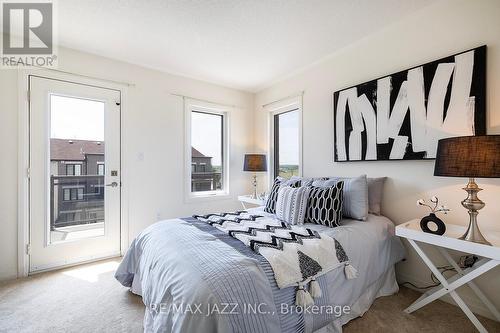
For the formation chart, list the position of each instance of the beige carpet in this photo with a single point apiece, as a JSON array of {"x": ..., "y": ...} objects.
[{"x": 88, "y": 299}]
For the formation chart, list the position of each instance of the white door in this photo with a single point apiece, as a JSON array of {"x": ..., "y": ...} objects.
[{"x": 74, "y": 173}]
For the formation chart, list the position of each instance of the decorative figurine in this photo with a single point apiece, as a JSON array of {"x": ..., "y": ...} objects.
[{"x": 432, "y": 218}]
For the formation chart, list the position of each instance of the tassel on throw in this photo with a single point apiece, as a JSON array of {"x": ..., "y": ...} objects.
[
  {"x": 303, "y": 298},
  {"x": 350, "y": 272},
  {"x": 315, "y": 289}
]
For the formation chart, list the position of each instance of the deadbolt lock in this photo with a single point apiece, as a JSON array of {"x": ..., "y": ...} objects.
[{"x": 114, "y": 173}]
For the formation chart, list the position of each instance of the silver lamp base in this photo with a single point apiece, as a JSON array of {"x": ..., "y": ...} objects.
[
  {"x": 254, "y": 183},
  {"x": 472, "y": 203}
]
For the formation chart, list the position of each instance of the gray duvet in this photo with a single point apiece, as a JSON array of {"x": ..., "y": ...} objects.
[{"x": 194, "y": 278}]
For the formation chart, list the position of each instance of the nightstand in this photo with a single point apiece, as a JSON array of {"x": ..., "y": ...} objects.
[
  {"x": 247, "y": 199},
  {"x": 489, "y": 258}
]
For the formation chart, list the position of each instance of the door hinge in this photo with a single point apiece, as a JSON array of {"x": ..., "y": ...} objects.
[
  {"x": 28, "y": 173},
  {"x": 28, "y": 96},
  {"x": 28, "y": 249}
]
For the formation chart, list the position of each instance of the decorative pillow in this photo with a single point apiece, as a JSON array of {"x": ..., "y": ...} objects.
[
  {"x": 303, "y": 180},
  {"x": 375, "y": 192},
  {"x": 355, "y": 194},
  {"x": 291, "y": 204},
  {"x": 273, "y": 195},
  {"x": 325, "y": 205}
]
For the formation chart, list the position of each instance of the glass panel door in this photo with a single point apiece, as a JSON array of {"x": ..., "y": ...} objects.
[
  {"x": 76, "y": 155},
  {"x": 75, "y": 173}
]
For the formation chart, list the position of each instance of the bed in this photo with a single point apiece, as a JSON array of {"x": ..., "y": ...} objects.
[{"x": 194, "y": 278}]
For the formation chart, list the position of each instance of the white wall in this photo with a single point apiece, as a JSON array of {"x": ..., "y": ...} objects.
[
  {"x": 434, "y": 32},
  {"x": 154, "y": 183},
  {"x": 8, "y": 173},
  {"x": 153, "y": 125}
]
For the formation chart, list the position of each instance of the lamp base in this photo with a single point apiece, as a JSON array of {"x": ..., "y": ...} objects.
[
  {"x": 474, "y": 236},
  {"x": 472, "y": 203},
  {"x": 254, "y": 183}
]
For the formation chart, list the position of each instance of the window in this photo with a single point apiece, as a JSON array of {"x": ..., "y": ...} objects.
[
  {"x": 286, "y": 143},
  {"x": 72, "y": 193},
  {"x": 73, "y": 169},
  {"x": 285, "y": 137},
  {"x": 67, "y": 194},
  {"x": 206, "y": 150},
  {"x": 100, "y": 169},
  {"x": 79, "y": 192}
]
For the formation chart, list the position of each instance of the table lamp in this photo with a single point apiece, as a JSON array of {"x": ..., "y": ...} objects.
[
  {"x": 472, "y": 157},
  {"x": 255, "y": 163}
]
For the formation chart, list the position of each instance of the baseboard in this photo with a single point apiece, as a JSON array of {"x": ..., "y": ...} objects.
[
  {"x": 8, "y": 278},
  {"x": 473, "y": 303},
  {"x": 75, "y": 262}
]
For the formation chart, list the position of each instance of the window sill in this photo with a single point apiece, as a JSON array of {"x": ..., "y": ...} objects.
[{"x": 207, "y": 196}]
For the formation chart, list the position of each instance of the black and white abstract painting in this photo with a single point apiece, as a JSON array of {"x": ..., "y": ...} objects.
[{"x": 402, "y": 116}]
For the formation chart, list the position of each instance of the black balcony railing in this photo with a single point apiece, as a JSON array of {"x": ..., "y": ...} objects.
[
  {"x": 76, "y": 200},
  {"x": 206, "y": 181}
]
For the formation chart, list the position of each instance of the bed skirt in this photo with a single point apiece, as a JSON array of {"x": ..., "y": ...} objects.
[{"x": 386, "y": 285}]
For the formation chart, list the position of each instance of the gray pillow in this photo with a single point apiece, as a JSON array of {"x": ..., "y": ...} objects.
[
  {"x": 304, "y": 181},
  {"x": 375, "y": 192},
  {"x": 355, "y": 198}
]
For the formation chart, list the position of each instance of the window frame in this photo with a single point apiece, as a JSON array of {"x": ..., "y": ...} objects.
[
  {"x": 99, "y": 164},
  {"x": 73, "y": 165},
  {"x": 274, "y": 109},
  {"x": 73, "y": 189},
  {"x": 191, "y": 105},
  {"x": 79, "y": 173}
]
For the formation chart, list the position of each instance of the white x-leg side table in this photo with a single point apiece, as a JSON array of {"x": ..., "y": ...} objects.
[
  {"x": 247, "y": 199},
  {"x": 489, "y": 258}
]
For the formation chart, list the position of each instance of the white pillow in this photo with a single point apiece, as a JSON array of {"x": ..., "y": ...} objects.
[{"x": 291, "y": 205}]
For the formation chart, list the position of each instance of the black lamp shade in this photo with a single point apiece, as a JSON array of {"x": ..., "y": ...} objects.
[
  {"x": 255, "y": 163},
  {"x": 468, "y": 156}
]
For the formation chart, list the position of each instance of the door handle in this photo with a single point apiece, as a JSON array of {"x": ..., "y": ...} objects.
[{"x": 113, "y": 184}]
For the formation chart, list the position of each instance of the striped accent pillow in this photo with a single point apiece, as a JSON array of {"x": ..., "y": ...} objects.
[
  {"x": 291, "y": 205},
  {"x": 325, "y": 205},
  {"x": 273, "y": 195}
]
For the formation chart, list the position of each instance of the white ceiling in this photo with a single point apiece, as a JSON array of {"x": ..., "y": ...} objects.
[{"x": 241, "y": 44}]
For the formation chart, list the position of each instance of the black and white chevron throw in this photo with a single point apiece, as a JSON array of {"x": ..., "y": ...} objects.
[{"x": 298, "y": 255}]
